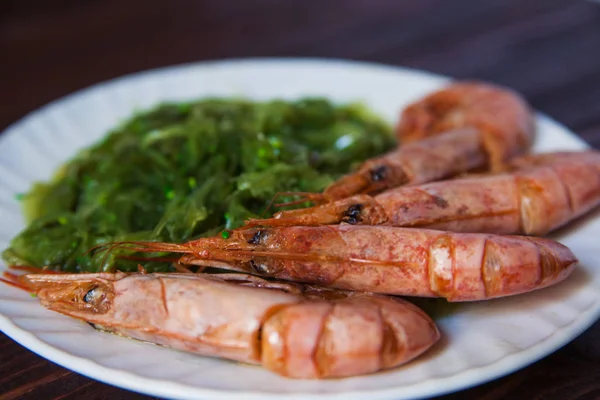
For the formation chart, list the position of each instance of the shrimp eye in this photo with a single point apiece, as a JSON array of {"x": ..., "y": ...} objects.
[
  {"x": 97, "y": 299},
  {"x": 257, "y": 237},
  {"x": 90, "y": 296},
  {"x": 262, "y": 268},
  {"x": 378, "y": 174},
  {"x": 352, "y": 214}
]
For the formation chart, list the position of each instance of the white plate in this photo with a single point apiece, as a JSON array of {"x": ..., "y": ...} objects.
[{"x": 481, "y": 342}]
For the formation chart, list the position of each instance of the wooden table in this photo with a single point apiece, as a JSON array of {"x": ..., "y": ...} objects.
[{"x": 549, "y": 50}]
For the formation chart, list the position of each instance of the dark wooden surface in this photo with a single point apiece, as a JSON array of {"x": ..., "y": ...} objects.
[{"x": 547, "y": 49}]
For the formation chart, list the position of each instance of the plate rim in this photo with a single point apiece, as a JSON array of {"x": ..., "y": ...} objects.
[{"x": 140, "y": 384}]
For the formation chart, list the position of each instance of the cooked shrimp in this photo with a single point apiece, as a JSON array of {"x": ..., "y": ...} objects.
[
  {"x": 464, "y": 127},
  {"x": 428, "y": 160},
  {"x": 384, "y": 259},
  {"x": 502, "y": 116},
  {"x": 294, "y": 330},
  {"x": 542, "y": 193}
]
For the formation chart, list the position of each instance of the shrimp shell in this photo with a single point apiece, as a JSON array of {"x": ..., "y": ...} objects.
[
  {"x": 499, "y": 113},
  {"x": 294, "y": 330},
  {"x": 540, "y": 193},
  {"x": 387, "y": 260},
  {"x": 465, "y": 127}
]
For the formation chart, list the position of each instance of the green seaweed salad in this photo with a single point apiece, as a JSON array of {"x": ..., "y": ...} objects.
[{"x": 187, "y": 170}]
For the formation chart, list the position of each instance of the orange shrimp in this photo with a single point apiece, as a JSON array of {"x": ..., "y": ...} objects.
[
  {"x": 384, "y": 259},
  {"x": 500, "y": 113},
  {"x": 466, "y": 126},
  {"x": 539, "y": 193},
  {"x": 298, "y": 331}
]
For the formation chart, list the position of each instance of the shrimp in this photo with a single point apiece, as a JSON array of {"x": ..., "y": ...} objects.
[
  {"x": 428, "y": 160},
  {"x": 384, "y": 259},
  {"x": 463, "y": 127},
  {"x": 498, "y": 112},
  {"x": 539, "y": 193},
  {"x": 298, "y": 331}
]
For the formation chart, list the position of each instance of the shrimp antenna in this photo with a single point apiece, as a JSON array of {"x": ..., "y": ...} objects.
[
  {"x": 155, "y": 259},
  {"x": 156, "y": 247},
  {"x": 34, "y": 270},
  {"x": 264, "y": 213},
  {"x": 13, "y": 280},
  {"x": 305, "y": 196}
]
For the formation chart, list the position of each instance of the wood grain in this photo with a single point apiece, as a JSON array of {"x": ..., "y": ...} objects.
[{"x": 547, "y": 49}]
